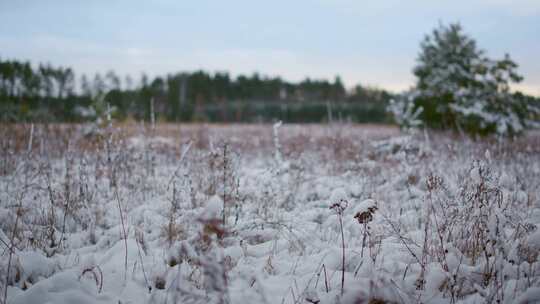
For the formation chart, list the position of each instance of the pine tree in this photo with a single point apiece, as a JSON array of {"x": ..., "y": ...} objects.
[{"x": 459, "y": 87}]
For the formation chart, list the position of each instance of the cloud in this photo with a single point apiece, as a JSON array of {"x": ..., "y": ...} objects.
[{"x": 443, "y": 7}]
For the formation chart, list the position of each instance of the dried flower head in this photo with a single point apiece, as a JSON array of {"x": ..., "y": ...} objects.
[{"x": 365, "y": 216}]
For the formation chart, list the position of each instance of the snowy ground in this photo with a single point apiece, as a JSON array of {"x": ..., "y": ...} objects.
[{"x": 258, "y": 214}]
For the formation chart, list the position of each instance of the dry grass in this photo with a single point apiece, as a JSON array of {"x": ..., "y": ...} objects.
[{"x": 111, "y": 165}]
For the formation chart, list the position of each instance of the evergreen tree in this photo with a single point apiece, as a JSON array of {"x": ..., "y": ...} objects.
[{"x": 459, "y": 87}]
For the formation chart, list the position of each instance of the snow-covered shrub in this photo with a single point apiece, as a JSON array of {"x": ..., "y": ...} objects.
[
  {"x": 459, "y": 87},
  {"x": 98, "y": 113},
  {"x": 405, "y": 114},
  {"x": 475, "y": 240}
]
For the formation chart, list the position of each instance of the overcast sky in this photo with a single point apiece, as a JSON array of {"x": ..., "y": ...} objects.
[{"x": 372, "y": 43}]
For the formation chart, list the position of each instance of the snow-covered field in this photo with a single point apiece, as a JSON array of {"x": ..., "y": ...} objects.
[{"x": 266, "y": 214}]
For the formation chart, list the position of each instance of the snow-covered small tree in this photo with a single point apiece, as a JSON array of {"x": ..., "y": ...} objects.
[
  {"x": 459, "y": 87},
  {"x": 405, "y": 114}
]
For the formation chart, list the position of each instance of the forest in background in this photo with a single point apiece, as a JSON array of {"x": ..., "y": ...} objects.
[{"x": 45, "y": 93}]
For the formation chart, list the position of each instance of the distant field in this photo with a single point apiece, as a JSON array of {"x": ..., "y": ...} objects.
[{"x": 243, "y": 135}]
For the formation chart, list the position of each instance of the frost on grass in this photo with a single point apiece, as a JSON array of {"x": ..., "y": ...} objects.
[{"x": 243, "y": 215}]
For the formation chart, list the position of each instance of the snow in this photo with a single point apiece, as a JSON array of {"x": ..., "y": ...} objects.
[
  {"x": 281, "y": 242},
  {"x": 365, "y": 206},
  {"x": 534, "y": 240},
  {"x": 34, "y": 265},
  {"x": 475, "y": 175},
  {"x": 64, "y": 287},
  {"x": 140, "y": 141},
  {"x": 531, "y": 295},
  {"x": 338, "y": 195},
  {"x": 213, "y": 208}
]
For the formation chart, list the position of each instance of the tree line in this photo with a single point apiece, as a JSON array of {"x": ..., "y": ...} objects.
[{"x": 48, "y": 93}]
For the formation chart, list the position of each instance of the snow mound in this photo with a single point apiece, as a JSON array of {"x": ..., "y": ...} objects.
[
  {"x": 62, "y": 288},
  {"x": 339, "y": 195},
  {"x": 213, "y": 208}
]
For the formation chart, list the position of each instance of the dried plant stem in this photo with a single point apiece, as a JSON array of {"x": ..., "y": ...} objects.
[
  {"x": 224, "y": 183},
  {"x": 142, "y": 265},
  {"x": 10, "y": 248},
  {"x": 339, "y": 207},
  {"x": 125, "y": 234},
  {"x": 342, "y": 254},
  {"x": 99, "y": 281},
  {"x": 31, "y": 139},
  {"x": 323, "y": 268},
  {"x": 277, "y": 145}
]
